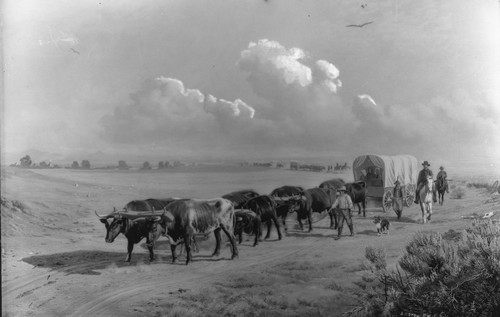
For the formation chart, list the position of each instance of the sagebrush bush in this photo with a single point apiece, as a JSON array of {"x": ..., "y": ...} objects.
[
  {"x": 458, "y": 193},
  {"x": 436, "y": 277},
  {"x": 489, "y": 187}
]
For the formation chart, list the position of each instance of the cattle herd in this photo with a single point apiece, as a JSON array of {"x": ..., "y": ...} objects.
[{"x": 180, "y": 220}]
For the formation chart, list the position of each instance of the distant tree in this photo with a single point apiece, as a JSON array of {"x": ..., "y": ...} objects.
[
  {"x": 146, "y": 166},
  {"x": 75, "y": 165},
  {"x": 122, "y": 165},
  {"x": 167, "y": 164},
  {"x": 160, "y": 165},
  {"x": 44, "y": 165},
  {"x": 85, "y": 164},
  {"x": 26, "y": 161}
]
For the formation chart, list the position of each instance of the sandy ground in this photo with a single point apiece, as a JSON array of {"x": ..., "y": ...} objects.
[{"x": 55, "y": 261}]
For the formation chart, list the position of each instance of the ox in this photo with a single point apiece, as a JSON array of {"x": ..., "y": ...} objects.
[
  {"x": 332, "y": 183},
  {"x": 186, "y": 217},
  {"x": 239, "y": 198},
  {"x": 282, "y": 196},
  {"x": 157, "y": 229},
  {"x": 314, "y": 200},
  {"x": 265, "y": 209},
  {"x": 246, "y": 221},
  {"x": 134, "y": 227},
  {"x": 357, "y": 191}
]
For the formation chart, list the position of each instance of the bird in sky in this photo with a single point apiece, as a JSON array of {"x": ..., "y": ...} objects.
[
  {"x": 364, "y": 5},
  {"x": 359, "y": 25},
  {"x": 75, "y": 51}
]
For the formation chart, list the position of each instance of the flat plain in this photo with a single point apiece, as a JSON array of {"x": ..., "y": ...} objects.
[{"x": 55, "y": 261}]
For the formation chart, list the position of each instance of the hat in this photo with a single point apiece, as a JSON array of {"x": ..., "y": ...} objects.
[
  {"x": 342, "y": 189},
  {"x": 397, "y": 181},
  {"x": 426, "y": 163},
  {"x": 441, "y": 168}
]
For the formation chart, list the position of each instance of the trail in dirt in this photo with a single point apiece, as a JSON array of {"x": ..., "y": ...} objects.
[{"x": 167, "y": 276}]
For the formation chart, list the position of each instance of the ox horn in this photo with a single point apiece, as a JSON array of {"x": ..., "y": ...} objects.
[
  {"x": 138, "y": 215},
  {"x": 103, "y": 217}
]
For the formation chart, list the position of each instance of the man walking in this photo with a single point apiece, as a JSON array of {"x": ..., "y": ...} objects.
[
  {"x": 342, "y": 207},
  {"x": 397, "y": 200},
  {"x": 422, "y": 180}
]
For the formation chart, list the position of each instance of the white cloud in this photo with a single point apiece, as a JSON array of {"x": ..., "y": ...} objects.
[
  {"x": 299, "y": 109},
  {"x": 273, "y": 59}
]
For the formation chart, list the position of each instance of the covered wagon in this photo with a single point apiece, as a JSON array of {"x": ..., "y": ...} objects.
[{"x": 380, "y": 172}]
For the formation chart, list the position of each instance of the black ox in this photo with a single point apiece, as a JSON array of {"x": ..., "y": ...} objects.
[
  {"x": 248, "y": 222},
  {"x": 240, "y": 197},
  {"x": 357, "y": 192},
  {"x": 314, "y": 200},
  {"x": 134, "y": 226},
  {"x": 282, "y": 197},
  {"x": 265, "y": 209}
]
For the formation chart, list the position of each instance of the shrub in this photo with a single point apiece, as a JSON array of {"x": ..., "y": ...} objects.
[
  {"x": 75, "y": 165},
  {"x": 436, "y": 277},
  {"x": 458, "y": 193},
  {"x": 489, "y": 187}
]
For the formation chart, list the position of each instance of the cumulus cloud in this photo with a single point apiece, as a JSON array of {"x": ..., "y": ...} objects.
[
  {"x": 328, "y": 75},
  {"x": 447, "y": 122},
  {"x": 164, "y": 111},
  {"x": 299, "y": 91},
  {"x": 299, "y": 109},
  {"x": 273, "y": 59},
  {"x": 367, "y": 98}
]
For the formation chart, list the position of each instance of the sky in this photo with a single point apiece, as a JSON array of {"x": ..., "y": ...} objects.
[{"x": 250, "y": 79}]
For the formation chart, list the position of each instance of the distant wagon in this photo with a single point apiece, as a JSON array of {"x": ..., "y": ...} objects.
[{"x": 380, "y": 172}]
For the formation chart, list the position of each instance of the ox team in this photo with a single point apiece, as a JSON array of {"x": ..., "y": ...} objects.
[{"x": 180, "y": 220}]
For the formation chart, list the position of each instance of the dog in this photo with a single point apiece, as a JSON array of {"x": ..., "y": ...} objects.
[{"x": 382, "y": 225}]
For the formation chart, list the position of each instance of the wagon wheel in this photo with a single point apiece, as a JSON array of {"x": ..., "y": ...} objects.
[
  {"x": 409, "y": 195},
  {"x": 387, "y": 201}
]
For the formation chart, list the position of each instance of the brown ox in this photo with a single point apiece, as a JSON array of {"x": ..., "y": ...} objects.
[{"x": 188, "y": 217}]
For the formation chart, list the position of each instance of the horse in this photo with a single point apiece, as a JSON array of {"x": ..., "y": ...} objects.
[
  {"x": 426, "y": 196},
  {"x": 441, "y": 189}
]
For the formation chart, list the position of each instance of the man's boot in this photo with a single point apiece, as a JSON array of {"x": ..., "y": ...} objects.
[
  {"x": 339, "y": 234},
  {"x": 416, "y": 197},
  {"x": 351, "y": 229}
]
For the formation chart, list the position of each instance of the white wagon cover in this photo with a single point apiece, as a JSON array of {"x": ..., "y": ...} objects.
[{"x": 403, "y": 166}]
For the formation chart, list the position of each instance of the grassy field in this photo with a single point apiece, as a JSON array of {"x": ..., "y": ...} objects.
[{"x": 55, "y": 261}]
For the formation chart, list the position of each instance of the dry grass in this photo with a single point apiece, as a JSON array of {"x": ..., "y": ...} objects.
[
  {"x": 457, "y": 193},
  {"x": 489, "y": 187},
  {"x": 280, "y": 291}
]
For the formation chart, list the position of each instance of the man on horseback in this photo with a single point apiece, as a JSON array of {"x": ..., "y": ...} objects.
[
  {"x": 422, "y": 180},
  {"x": 441, "y": 178}
]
